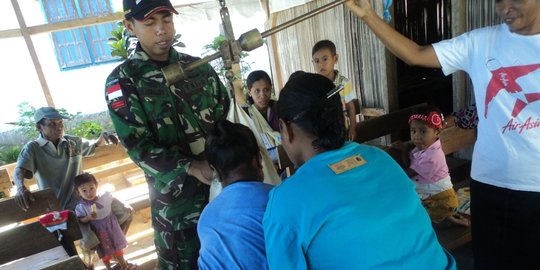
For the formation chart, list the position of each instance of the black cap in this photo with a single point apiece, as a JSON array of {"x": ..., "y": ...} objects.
[{"x": 142, "y": 9}]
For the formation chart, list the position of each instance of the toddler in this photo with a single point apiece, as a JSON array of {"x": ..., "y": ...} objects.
[
  {"x": 96, "y": 210},
  {"x": 428, "y": 167}
]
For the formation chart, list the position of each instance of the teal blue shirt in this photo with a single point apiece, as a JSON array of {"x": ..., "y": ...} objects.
[{"x": 368, "y": 217}]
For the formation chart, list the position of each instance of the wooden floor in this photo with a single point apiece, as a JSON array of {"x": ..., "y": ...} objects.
[{"x": 141, "y": 251}]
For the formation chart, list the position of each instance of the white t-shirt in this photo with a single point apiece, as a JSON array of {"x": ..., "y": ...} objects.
[{"x": 505, "y": 70}]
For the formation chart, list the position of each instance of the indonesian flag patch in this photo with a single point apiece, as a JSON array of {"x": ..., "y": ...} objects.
[{"x": 115, "y": 97}]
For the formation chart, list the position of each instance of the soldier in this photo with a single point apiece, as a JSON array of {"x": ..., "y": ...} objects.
[{"x": 164, "y": 128}]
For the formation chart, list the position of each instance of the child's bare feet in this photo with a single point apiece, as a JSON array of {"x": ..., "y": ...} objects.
[
  {"x": 458, "y": 219},
  {"x": 130, "y": 266},
  {"x": 453, "y": 220}
]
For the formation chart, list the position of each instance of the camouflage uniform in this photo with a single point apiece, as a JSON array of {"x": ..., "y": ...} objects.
[{"x": 164, "y": 129}]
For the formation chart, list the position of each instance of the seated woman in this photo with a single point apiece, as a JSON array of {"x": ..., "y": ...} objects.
[
  {"x": 230, "y": 226},
  {"x": 259, "y": 85},
  {"x": 262, "y": 111},
  {"x": 347, "y": 206}
]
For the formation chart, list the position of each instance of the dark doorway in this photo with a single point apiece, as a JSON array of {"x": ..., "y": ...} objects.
[{"x": 425, "y": 22}]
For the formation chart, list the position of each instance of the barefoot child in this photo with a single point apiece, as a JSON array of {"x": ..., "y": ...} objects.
[
  {"x": 96, "y": 210},
  {"x": 428, "y": 167}
]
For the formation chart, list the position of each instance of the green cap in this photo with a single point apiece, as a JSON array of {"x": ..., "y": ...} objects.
[{"x": 49, "y": 113}]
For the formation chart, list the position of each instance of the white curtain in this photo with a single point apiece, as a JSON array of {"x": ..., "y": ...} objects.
[
  {"x": 279, "y": 5},
  {"x": 479, "y": 14},
  {"x": 361, "y": 55}
]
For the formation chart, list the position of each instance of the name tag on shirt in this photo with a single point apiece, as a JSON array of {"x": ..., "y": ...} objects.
[{"x": 347, "y": 164}]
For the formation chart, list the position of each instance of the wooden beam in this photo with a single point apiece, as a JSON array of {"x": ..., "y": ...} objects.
[
  {"x": 59, "y": 26},
  {"x": 459, "y": 79},
  {"x": 278, "y": 77},
  {"x": 66, "y": 25},
  {"x": 11, "y": 33},
  {"x": 384, "y": 124},
  {"x": 33, "y": 54}
]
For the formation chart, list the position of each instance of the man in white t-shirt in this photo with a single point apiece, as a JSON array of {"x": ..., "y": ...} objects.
[{"x": 503, "y": 62}]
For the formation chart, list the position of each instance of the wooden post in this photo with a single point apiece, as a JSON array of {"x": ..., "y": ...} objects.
[
  {"x": 459, "y": 79},
  {"x": 278, "y": 76},
  {"x": 33, "y": 54}
]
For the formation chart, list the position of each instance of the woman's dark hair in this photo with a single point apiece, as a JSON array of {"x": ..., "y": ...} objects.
[
  {"x": 256, "y": 76},
  {"x": 83, "y": 179},
  {"x": 303, "y": 101},
  {"x": 230, "y": 145}
]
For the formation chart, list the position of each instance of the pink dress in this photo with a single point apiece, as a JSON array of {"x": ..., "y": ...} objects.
[{"x": 106, "y": 226}]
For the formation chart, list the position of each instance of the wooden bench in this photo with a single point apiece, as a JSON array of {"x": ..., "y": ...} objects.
[
  {"x": 113, "y": 169},
  {"x": 394, "y": 124},
  {"x": 26, "y": 244},
  {"x": 453, "y": 139}
]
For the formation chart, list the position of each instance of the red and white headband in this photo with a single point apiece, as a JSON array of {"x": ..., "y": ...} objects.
[{"x": 434, "y": 119}]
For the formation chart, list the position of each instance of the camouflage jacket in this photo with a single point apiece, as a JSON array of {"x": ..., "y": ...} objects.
[{"x": 164, "y": 127}]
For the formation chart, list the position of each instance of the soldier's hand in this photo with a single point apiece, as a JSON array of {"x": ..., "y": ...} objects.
[
  {"x": 202, "y": 171},
  {"x": 111, "y": 138},
  {"x": 24, "y": 198},
  {"x": 106, "y": 138}
]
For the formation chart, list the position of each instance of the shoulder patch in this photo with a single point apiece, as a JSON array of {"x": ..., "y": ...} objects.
[
  {"x": 115, "y": 97},
  {"x": 347, "y": 164}
]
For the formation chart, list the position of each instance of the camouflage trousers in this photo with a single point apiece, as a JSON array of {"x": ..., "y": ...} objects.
[{"x": 174, "y": 218}]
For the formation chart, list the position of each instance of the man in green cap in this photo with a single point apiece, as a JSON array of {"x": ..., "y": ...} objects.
[
  {"x": 54, "y": 159},
  {"x": 164, "y": 128}
]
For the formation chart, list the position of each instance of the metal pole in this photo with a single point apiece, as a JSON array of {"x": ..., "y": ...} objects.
[
  {"x": 203, "y": 61},
  {"x": 176, "y": 72},
  {"x": 308, "y": 15}
]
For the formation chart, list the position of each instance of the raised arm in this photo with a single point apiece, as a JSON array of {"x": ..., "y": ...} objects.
[{"x": 402, "y": 47}]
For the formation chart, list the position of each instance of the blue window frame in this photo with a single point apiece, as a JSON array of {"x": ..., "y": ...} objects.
[{"x": 85, "y": 46}]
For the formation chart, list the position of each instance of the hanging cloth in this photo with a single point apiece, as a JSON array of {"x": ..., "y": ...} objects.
[
  {"x": 269, "y": 137},
  {"x": 237, "y": 115}
]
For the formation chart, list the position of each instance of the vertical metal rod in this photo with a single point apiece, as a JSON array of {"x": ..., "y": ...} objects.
[{"x": 301, "y": 18}]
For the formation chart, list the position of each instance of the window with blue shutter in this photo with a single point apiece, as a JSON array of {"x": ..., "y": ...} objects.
[{"x": 85, "y": 46}]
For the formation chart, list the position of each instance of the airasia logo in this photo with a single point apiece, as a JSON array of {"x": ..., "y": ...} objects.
[{"x": 504, "y": 79}]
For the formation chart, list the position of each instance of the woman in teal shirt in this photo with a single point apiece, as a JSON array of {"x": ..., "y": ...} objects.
[{"x": 348, "y": 206}]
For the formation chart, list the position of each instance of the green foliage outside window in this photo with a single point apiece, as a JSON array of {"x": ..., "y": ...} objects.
[
  {"x": 87, "y": 129},
  {"x": 9, "y": 154},
  {"x": 123, "y": 44}
]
